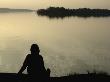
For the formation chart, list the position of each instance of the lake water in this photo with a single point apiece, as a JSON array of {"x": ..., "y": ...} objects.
[{"x": 67, "y": 45}]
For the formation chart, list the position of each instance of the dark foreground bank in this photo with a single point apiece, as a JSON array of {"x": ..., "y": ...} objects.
[
  {"x": 12, "y": 77},
  {"x": 61, "y": 12}
]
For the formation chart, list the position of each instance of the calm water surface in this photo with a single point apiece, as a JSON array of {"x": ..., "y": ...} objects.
[{"x": 69, "y": 45}]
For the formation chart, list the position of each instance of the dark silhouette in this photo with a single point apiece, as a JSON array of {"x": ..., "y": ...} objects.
[
  {"x": 35, "y": 65},
  {"x": 61, "y": 12}
]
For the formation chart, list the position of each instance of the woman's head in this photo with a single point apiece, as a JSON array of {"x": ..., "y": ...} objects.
[{"x": 34, "y": 48}]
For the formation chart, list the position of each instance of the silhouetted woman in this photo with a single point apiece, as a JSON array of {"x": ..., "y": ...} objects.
[{"x": 35, "y": 64}]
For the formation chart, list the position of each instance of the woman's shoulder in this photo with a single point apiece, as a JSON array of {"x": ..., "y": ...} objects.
[
  {"x": 28, "y": 55},
  {"x": 40, "y": 57}
]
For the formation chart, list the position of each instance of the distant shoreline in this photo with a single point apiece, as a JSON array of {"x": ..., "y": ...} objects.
[
  {"x": 6, "y": 10},
  {"x": 61, "y": 12}
]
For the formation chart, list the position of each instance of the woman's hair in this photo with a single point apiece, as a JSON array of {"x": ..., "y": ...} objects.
[{"x": 34, "y": 48}]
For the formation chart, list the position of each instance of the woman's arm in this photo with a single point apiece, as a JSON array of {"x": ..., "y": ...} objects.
[{"x": 24, "y": 65}]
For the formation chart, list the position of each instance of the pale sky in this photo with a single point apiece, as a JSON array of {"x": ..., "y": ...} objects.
[{"x": 34, "y": 4}]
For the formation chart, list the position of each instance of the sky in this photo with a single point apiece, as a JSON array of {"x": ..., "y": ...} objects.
[{"x": 35, "y": 4}]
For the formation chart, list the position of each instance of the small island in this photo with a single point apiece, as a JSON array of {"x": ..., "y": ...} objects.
[
  {"x": 61, "y": 12},
  {"x": 7, "y": 10}
]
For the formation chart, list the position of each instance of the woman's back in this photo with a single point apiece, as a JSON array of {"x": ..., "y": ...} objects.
[{"x": 35, "y": 64}]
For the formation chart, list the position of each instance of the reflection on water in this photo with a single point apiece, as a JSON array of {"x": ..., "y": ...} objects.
[{"x": 69, "y": 45}]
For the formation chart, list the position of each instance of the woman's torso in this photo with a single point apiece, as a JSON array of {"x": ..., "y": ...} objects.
[{"x": 35, "y": 64}]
